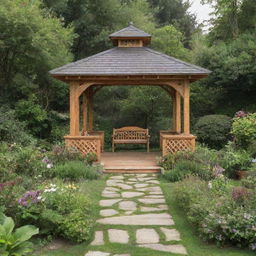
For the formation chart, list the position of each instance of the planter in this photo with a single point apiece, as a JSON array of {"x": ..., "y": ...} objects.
[{"x": 242, "y": 174}]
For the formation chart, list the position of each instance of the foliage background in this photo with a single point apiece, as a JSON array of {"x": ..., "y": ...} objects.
[{"x": 39, "y": 35}]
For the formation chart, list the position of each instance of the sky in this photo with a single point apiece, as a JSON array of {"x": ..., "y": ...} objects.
[{"x": 202, "y": 11}]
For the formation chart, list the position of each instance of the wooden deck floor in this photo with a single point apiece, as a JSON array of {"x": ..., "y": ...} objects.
[{"x": 130, "y": 162}]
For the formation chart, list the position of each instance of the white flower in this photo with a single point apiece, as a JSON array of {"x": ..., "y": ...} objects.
[
  {"x": 49, "y": 166},
  {"x": 39, "y": 198},
  {"x": 209, "y": 185}
]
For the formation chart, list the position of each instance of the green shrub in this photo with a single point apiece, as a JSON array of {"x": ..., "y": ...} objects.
[
  {"x": 233, "y": 160},
  {"x": 28, "y": 161},
  {"x": 184, "y": 167},
  {"x": 75, "y": 170},
  {"x": 202, "y": 163},
  {"x": 244, "y": 130},
  {"x": 11, "y": 129},
  {"x": 213, "y": 130},
  {"x": 34, "y": 116},
  {"x": 15, "y": 242}
]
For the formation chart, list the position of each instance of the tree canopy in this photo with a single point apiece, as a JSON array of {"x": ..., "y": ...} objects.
[{"x": 39, "y": 35}]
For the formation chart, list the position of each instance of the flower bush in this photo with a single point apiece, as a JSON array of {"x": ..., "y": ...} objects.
[
  {"x": 229, "y": 218},
  {"x": 58, "y": 210}
]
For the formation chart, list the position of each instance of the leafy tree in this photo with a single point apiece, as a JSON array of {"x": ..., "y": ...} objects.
[
  {"x": 32, "y": 42},
  {"x": 94, "y": 20},
  {"x": 233, "y": 73},
  {"x": 231, "y": 18},
  {"x": 168, "y": 39},
  {"x": 175, "y": 12}
]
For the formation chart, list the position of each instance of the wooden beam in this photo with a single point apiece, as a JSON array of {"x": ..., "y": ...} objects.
[
  {"x": 177, "y": 86},
  {"x": 83, "y": 87},
  {"x": 74, "y": 108},
  {"x": 186, "y": 108},
  {"x": 177, "y": 113}
]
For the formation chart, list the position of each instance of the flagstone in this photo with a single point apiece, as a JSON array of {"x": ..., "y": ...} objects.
[
  {"x": 152, "y": 200},
  {"x": 153, "y": 181},
  {"x": 131, "y": 194},
  {"x": 118, "y": 236},
  {"x": 170, "y": 234},
  {"x": 147, "y": 236},
  {"x": 111, "y": 189},
  {"x": 124, "y": 186},
  {"x": 97, "y": 253},
  {"x": 150, "y": 209},
  {"x": 122, "y": 255},
  {"x": 156, "y": 193},
  {"x": 173, "y": 248},
  {"x": 132, "y": 179},
  {"x": 117, "y": 177},
  {"x": 109, "y": 202},
  {"x": 108, "y": 212},
  {"x": 98, "y": 239},
  {"x": 163, "y": 219},
  {"x": 110, "y": 194},
  {"x": 140, "y": 185},
  {"x": 150, "y": 189},
  {"x": 127, "y": 205},
  {"x": 154, "y": 196}
]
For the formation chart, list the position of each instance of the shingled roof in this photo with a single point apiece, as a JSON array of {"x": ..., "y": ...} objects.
[
  {"x": 129, "y": 61},
  {"x": 130, "y": 31}
]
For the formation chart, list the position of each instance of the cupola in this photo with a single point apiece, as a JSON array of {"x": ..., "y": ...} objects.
[{"x": 130, "y": 37}]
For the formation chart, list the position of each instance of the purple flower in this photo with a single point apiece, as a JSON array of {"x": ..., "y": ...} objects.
[{"x": 30, "y": 197}]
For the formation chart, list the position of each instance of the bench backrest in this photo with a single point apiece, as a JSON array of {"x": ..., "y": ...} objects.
[{"x": 130, "y": 133}]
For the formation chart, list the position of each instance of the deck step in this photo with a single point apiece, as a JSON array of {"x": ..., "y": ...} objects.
[{"x": 132, "y": 169}]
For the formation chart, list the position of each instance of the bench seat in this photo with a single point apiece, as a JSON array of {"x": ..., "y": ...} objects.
[{"x": 130, "y": 135}]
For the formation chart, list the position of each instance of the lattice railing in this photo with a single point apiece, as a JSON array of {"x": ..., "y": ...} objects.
[
  {"x": 175, "y": 143},
  {"x": 84, "y": 144}
]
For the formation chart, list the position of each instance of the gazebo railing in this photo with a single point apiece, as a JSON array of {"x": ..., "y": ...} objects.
[
  {"x": 170, "y": 143},
  {"x": 85, "y": 144}
]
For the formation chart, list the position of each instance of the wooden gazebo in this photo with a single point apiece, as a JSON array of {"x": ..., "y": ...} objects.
[{"x": 130, "y": 62}]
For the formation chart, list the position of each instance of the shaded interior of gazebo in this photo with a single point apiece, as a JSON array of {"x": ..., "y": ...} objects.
[{"x": 130, "y": 62}]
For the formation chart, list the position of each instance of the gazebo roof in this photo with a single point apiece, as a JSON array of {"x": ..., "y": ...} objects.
[
  {"x": 130, "y": 31},
  {"x": 129, "y": 60}
]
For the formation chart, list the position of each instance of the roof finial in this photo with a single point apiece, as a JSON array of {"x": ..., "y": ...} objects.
[{"x": 130, "y": 23}]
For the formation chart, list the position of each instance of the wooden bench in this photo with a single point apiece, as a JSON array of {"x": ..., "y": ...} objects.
[{"x": 130, "y": 135}]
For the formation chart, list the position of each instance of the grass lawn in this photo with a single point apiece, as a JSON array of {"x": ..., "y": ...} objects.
[{"x": 190, "y": 240}]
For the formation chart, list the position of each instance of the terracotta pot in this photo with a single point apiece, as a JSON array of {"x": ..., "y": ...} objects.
[{"x": 242, "y": 174}]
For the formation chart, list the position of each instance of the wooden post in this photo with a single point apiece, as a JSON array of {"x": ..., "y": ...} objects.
[
  {"x": 74, "y": 108},
  {"x": 174, "y": 112},
  {"x": 186, "y": 108},
  {"x": 90, "y": 98},
  {"x": 177, "y": 113},
  {"x": 85, "y": 111}
]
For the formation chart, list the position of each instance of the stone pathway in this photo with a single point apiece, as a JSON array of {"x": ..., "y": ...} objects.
[{"x": 136, "y": 204}]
